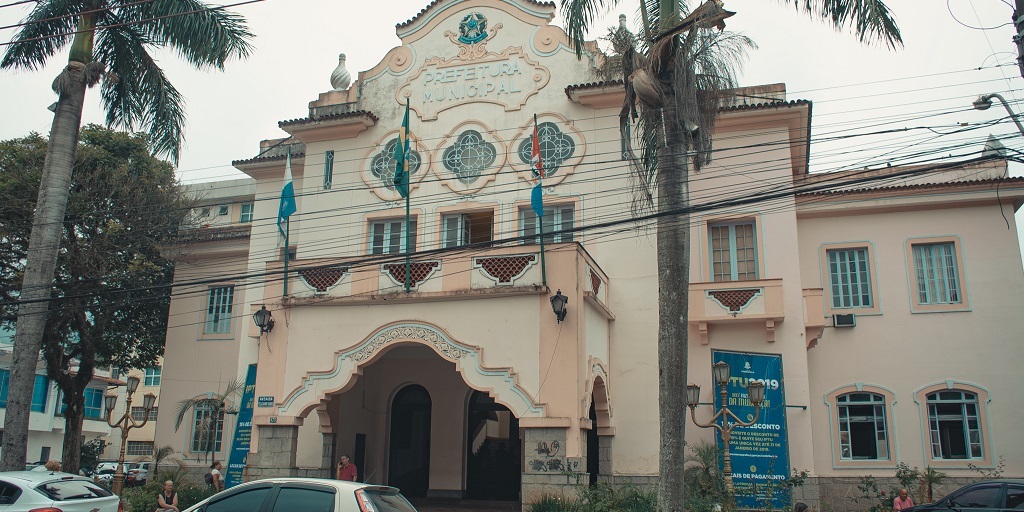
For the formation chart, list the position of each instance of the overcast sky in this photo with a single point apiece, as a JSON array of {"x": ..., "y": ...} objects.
[{"x": 954, "y": 50}]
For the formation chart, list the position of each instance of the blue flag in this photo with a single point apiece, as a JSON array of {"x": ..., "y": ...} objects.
[
  {"x": 401, "y": 150},
  {"x": 537, "y": 200},
  {"x": 287, "y": 207}
]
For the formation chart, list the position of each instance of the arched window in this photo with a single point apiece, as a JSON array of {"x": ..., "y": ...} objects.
[
  {"x": 863, "y": 431},
  {"x": 954, "y": 425}
]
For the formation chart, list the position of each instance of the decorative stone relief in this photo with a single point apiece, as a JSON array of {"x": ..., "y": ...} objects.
[
  {"x": 404, "y": 333},
  {"x": 734, "y": 300},
  {"x": 555, "y": 147},
  {"x": 469, "y": 156},
  {"x": 419, "y": 271},
  {"x": 504, "y": 270},
  {"x": 322, "y": 279}
]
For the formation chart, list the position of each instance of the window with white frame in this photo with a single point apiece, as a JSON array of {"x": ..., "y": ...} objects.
[
  {"x": 207, "y": 431},
  {"x": 152, "y": 377},
  {"x": 223, "y": 210},
  {"x": 328, "y": 169},
  {"x": 246, "y": 215},
  {"x": 387, "y": 236},
  {"x": 954, "y": 425},
  {"x": 936, "y": 273},
  {"x": 140, "y": 448},
  {"x": 139, "y": 414},
  {"x": 558, "y": 223},
  {"x": 849, "y": 273},
  {"x": 218, "y": 310},
  {"x": 863, "y": 433},
  {"x": 733, "y": 251},
  {"x": 466, "y": 228}
]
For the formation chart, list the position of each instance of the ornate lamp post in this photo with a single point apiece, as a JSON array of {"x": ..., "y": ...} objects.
[
  {"x": 725, "y": 420},
  {"x": 126, "y": 423}
]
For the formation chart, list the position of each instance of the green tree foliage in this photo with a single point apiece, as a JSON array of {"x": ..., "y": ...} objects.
[
  {"x": 110, "y": 39},
  {"x": 110, "y": 306},
  {"x": 90, "y": 454}
]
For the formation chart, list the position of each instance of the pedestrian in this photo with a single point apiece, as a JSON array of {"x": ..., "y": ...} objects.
[
  {"x": 52, "y": 465},
  {"x": 216, "y": 478},
  {"x": 168, "y": 499},
  {"x": 347, "y": 470},
  {"x": 903, "y": 501}
]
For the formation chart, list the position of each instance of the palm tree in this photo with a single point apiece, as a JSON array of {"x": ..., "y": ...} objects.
[
  {"x": 676, "y": 79},
  {"x": 209, "y": 410},
  {"x": 109, "y": 40}
]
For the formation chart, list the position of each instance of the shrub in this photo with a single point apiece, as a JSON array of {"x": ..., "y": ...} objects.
[{"x": 143, "y": 499}]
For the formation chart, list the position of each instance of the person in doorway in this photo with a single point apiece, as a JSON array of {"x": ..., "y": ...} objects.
[
  {"x": 217, "y": 479},
  {"x": 903, "y": 501},
  {"x": 346, "y": 470},
  {"x": 167, "y": 500}
]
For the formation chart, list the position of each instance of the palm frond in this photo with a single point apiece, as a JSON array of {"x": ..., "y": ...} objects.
[
  {"x": 203, "y": 35},
  {"x": 38, "y": 40},
  {"x": 142, "y": 97},
  {"x": 871, "y": 20},
  {"x": 579, "y": 15}
]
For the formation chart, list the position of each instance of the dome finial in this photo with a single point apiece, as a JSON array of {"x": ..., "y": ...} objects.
[{"x": 341, "y": 78}]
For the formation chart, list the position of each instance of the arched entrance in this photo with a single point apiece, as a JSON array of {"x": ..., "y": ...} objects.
[
  {"x": 494, "y": 455},
  {"x": 409, "y": 447}
]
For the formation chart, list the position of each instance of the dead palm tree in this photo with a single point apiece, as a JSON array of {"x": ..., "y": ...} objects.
[
  {"x": 111, "y": 38},
  {"x": 675, "y": 82},
  {"x": 208, "y": 412}
]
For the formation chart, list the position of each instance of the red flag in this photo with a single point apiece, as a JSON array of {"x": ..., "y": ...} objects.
[{"x": 538, "y": 167}]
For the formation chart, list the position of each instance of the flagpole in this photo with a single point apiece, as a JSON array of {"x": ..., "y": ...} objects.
[
  {"x": 408, "y": 249},
  {"x": 408, "y": 181},
  {"x": 540, "y": 218},
  {"x": 287, "y": 230}
]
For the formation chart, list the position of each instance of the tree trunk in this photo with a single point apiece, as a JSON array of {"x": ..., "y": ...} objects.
[
  {"x": 673, "y": 297},
  {"x": 74, "y": 415},
  {"x": 39, "y": 266}
]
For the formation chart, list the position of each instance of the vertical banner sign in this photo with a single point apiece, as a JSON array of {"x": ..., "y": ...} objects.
[
  {"x": 243, "y": 433},
  {"x": 760, "y": 452}
]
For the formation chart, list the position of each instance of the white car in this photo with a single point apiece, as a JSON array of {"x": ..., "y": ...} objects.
[
  {"x": 308, "y": 495},
  {"x": 22, "y": 491}
]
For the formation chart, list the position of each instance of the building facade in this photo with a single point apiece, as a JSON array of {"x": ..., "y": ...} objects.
[
  {"x": 46, "y": 418},
  {"x": 854, "y": 296}
]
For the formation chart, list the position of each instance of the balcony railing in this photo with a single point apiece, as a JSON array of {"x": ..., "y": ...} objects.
[
  {"x": 737, "y": 301},
  {"x": 502, "y": 271}
]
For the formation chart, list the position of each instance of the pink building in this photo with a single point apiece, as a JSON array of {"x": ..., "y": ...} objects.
[{"x": 881, "y": 308}]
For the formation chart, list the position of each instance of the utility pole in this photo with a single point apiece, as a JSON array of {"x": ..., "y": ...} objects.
[{"x": 1018, "y": 24}]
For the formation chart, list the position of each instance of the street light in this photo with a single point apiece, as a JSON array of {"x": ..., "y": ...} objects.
[
  {"x": 558, "y": 303},
  {"x": 264, "y": 320},
  {"x": 126, "y": 423},
  {"x": 755, "y": 391},
  {"x": 985, "y": 101}
]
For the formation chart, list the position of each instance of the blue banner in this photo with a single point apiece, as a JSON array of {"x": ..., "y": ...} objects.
[
  {"x": 239, "y": 455},
  {"x": 760, "y": 452}
]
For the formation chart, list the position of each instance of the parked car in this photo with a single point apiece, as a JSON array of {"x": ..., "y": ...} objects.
[
  {"x": 22, "y": 491},
  {"x": 991, "y": 495},
  {"x": 102, "y": 467},
  {"x": 137, "y": 473},
  {"x": 274, "y": 494}
]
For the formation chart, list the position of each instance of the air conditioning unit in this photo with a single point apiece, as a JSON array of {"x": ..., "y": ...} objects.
[{"x": 849, "y": 320}]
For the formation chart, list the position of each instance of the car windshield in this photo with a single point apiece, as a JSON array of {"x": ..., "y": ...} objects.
[
  {"x": 388, "y": 499},
  {"x": 64, "y": 490}
]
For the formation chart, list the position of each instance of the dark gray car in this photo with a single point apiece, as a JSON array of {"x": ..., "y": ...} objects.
[{"x": 988, "y": 496}]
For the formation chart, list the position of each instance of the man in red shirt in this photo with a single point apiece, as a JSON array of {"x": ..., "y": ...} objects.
[
  {"x": 902, "y": 502},
  {"x": 346, "y": 470}
]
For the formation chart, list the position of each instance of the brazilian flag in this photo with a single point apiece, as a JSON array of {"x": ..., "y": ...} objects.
[{"x": 401, "y": 150}]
